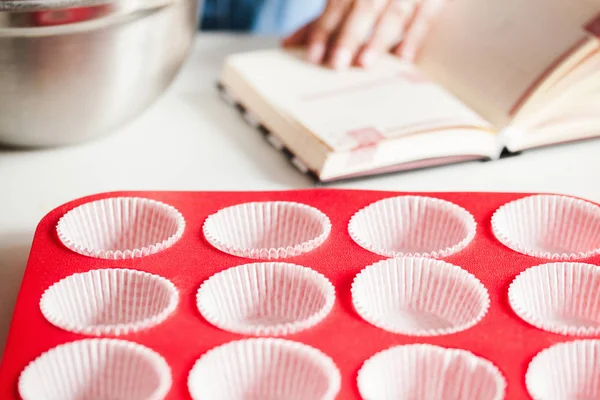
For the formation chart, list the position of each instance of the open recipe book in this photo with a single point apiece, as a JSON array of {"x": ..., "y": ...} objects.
[{"x": 493, "y": 76}]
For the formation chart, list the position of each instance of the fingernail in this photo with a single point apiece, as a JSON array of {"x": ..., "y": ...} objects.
[
  {"x": 315, "y": 53},
  {"x": 342, "y": 58},
  {"x": 367, "y": 58}
]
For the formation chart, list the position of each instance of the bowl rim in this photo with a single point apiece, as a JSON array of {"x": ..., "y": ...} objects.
[{"x": 130, "y": 6}]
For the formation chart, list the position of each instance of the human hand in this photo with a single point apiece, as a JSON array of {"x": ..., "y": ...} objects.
[{"x": 357, "y": 32}]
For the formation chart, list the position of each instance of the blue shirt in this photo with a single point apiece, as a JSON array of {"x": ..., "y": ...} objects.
[{"x": 259, "y": 16}]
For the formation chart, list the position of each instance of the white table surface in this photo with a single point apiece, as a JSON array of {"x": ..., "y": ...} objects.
[{"x": 191, "y": 140}]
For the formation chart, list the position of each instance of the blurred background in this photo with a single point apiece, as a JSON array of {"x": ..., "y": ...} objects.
[{"x": 263, "y": 17}]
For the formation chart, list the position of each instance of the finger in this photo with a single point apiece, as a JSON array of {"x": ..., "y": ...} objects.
[
  {"x": 387, "y": 32},
  {"x": 324, "y": 28},
  {"x": 419, "y": 28},
  {"x": 408, "y": 23},
  {"x": 355, "y": 31},
  {"x": 300, "y": 37}
]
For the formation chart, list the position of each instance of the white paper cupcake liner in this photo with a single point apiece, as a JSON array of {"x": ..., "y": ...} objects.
[
  {"x": 270, "y": 298},
  {"x": 419, "y": 297},
  {"x": 559, "y": 297},
  {"x": 264, "y": 369},
  {"x": 413, "y": 226},
  {"x": 267, "y": 230},
  {"x": 427, "y": 372},
  {"x": 566, "y": 371},
  {"x": 96, "y": 369},
  {"x": 549, "y": 226},
  {"x": 109, "y": 301},
  {"x": 120, "y": 228}
]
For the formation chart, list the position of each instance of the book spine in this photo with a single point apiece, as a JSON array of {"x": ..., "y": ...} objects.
[
  {"x": 273, "y": 140},
  {"x": 506, "y": 153}
]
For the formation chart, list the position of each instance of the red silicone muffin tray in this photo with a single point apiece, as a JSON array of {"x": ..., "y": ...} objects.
[{"x": 500, "y": 337}]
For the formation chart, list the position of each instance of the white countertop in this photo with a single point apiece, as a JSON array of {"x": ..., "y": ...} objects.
[{"x": 191, "y": 140}]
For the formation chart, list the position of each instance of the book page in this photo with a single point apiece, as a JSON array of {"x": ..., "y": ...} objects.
[
  {"x": 492, "y": 54},
  {"x": 354, "y": 108},
  {"x": 579, "y": 120},
  {"x": 581, "y": 74},
  {"x": 585, "y": 107}
]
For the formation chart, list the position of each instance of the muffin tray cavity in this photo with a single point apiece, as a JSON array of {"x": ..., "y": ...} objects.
[{"x": 309, "y": 295}]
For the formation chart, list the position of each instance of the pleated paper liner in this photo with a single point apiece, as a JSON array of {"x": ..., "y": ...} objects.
[
  {"x": 419, "y": 297},
  {"x": 406, "y": 300},
  {"x": 264, "y": 369},
  {"x": 267, "y": 230},
  {"x": 566, "y": 371},
  {"x": 109, "y": 301},
  {"x": 96, "y": 369},
  {"x": 554, "y": 227},
  {"x": 561, "y": 297},
  {"x": 428, "y": 372},
  {"x": 271, "y": 298},
  {"x": 121, "y": 228},
  {"x": 413, "y": 226}
]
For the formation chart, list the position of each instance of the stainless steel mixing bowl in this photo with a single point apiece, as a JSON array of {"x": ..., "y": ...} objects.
[{"x": 73, "y": 70}]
